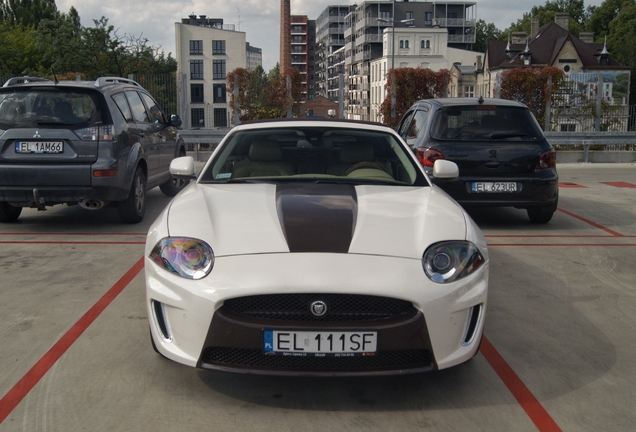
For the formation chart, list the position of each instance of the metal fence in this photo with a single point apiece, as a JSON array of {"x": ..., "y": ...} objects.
[{"x": 588, "y": 102}]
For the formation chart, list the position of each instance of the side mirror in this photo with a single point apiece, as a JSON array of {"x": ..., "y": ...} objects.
[
  {"x": 444, "y": 169},
  {"x": 175, "y": 120},
  {"x": 183, "y": 167}
]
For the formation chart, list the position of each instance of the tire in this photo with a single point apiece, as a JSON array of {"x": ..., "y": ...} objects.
[
  {"x": 541, "y": 214},
  {"x": 174, "y": 185},
  {"x": 133, "y": 208},
  {"x": 8, "y": 213}
]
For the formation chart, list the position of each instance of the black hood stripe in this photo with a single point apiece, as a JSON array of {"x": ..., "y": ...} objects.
[{"x": 317, "y": 217}]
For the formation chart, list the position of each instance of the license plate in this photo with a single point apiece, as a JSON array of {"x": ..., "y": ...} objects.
[
  {"x": 39, "y": 147},
  {"x": 493, "y": 187},
  {"x": 319, "y": 343}
]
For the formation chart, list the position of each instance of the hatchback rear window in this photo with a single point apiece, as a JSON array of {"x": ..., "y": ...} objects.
[
  {"x": 37, "y": 107},
  {"x": 485, "y": 122}
]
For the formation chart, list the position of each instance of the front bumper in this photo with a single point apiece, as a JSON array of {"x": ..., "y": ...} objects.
[{"x": 192, "y": 326}]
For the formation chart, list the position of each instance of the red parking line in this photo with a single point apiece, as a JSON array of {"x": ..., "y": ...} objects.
[
  {"x": 620, "y": 184},
  {"x": 35, "y": 374},
  {"x": 524, "y": 396},
  {"x": 571, "y": 185},
  {"x": 594, "y": 224}
]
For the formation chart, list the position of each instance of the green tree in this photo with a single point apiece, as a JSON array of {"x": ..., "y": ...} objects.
[
  {"x": 546, "y": 13},
  {"x": 531, "y": 87},
  {"x": 18, "y": 52},
  {"x": 601, "y": 17},
  {"x": 27, "y": 12},
  {"x": 483, "y": 33},
  {"x": 263, "y": 96},
  {"x": 411, "y": 85}
]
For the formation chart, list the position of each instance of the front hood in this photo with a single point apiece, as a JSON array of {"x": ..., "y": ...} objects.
[{"x": 239, "y": 219}]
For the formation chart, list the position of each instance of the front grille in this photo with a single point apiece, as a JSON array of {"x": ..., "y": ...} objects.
[
  {"x": 340, "y": 307},
  {"x": 381, "y": 361}
]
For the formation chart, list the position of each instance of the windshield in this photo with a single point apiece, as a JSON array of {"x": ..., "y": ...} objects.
[
  {"x": 317, "y": 154},
  {"x": 33, "y": 107},
  {"x": 468, "y": 123}
]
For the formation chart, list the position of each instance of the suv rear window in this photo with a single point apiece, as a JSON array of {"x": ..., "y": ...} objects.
[
  {"x": 34, "y": 107},
  {"x": 484, "y": 122}
]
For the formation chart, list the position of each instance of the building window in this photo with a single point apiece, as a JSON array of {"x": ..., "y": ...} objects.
[
  {"x": 409, "y": 15},
  {"x": 196, "y": 93},
  {"x": 220, "y": 117},
  {"x": 218, "y": 69},
  {"x": 219, "y": 93},
  {"x": 422, "y": 44},
  {"x": 196, "y": 47},
  {"x": 218, "y": 47},
  {"x": 297, "y": 39},
  {"x": 197, "y": 117},
  {"x": 196, "y": 69},
  {"x": 406, "y": 44},
  {"x": 568, "y": 128},
  {"x": 469, "y": 91},
  {"x": 428, "y": 18},
  {"x": 401, "y": 44},
  {"x": 428, "y": 44}
]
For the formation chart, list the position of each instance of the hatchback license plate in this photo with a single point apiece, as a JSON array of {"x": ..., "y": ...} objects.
[
  {"x": 319, "y": 343},
  {"x": 493, "y": 187},
  {"x": 39, "y": 147}
]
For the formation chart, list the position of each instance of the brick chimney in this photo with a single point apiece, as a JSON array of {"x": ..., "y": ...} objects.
[
  {"x": 562, "y": 19},
  {"x": 534, "y": 27},
  {"x": 587, "y": 37},
  {"x": 285, "y": 36}
]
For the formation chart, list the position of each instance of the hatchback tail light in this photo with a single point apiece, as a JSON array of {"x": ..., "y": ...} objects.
[
  {"x": 428, "y": 156},
  {"x": 547, "y": 159}
]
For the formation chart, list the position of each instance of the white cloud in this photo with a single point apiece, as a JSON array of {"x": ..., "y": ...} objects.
[{"x": 259, "y": 19}]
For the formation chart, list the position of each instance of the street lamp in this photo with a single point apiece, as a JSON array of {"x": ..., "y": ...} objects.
[{"x": 392, "y": 21}]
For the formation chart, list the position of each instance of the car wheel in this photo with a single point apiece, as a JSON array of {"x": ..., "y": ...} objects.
[
  {"x": 174, "y": 185},
  {"x": 8, "y": 213},
  {"x": 133, "y": 208},
  {"x": 541, "y": 214}
]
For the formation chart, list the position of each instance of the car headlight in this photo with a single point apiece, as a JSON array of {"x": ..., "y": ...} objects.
[
  {"x": 446, "y": 262},
  {"x": 187, "y": 257}
]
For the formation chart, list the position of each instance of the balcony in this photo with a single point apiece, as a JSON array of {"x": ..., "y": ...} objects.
[
  {"x": 453, "y": 22},
  {"x": 461, "y": 38},
  {"x": 368, "y": 38}
]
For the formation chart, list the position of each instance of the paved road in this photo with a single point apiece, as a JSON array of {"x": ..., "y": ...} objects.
[{"x": 559, "y": 352}]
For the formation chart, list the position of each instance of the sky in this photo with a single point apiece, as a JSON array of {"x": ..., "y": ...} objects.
[{"x": 259, "y": 19}]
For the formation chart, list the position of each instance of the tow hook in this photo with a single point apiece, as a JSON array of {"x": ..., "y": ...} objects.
[{"x": 39, "y": 202}]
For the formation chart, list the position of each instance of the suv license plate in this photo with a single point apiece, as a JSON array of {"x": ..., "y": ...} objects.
[
  {"x": 493, "y": 187},
  {"x": 39, "y": 147},
  {"x": 319, "y": 343}
]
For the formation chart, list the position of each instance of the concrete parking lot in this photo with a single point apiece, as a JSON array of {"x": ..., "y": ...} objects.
[{"x": 558, "y": 352}]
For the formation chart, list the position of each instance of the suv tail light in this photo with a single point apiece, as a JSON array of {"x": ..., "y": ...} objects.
[
  {"x": 96, "y": 133},
  {"x": 547, "y": 159},
  {"x": 428, "y": 156}
]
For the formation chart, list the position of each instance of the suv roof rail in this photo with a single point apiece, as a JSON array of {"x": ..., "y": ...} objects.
[
  {"x": 23, "y": 80},
  {"x": 102, "y": 81}
]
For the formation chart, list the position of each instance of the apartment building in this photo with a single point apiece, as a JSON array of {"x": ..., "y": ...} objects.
[
  {"x": 330, "y": 41},
  {"x": 206, "y": 50},
  {"x": 303, "y": 42},
  {"x": 254, "y": 56},
  {"x": 366, "y": 37}
]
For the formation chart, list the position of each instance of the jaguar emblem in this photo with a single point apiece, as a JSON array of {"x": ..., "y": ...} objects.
[{"x": 318, "y": 308}]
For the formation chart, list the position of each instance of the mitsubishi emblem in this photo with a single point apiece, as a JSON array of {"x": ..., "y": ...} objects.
[{"x": 37, "y": 135}]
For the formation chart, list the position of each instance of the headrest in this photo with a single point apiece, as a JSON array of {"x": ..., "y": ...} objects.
[
  {"x": 356, "y": 152},
  {"x": 265, "y": 151}
]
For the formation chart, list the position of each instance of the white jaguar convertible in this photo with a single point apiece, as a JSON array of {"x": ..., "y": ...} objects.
[{"x": 315, "y": 247}]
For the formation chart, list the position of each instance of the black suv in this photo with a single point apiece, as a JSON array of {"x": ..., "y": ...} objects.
[
  {"x": 503, "y": 157},
  {"x": 92, "y": 143}
]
